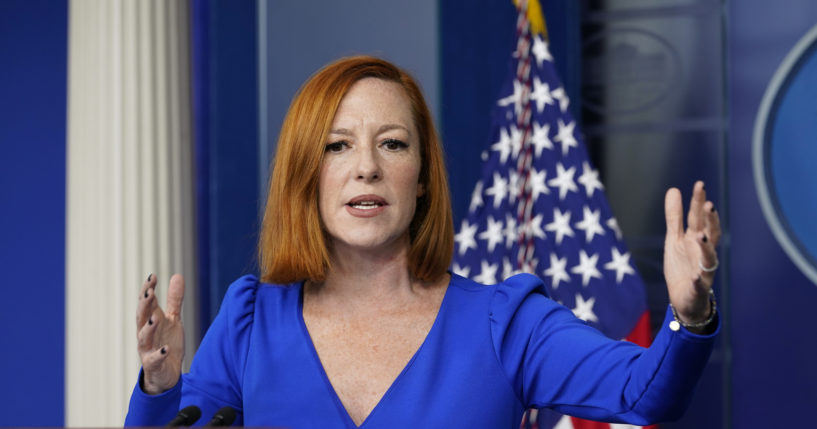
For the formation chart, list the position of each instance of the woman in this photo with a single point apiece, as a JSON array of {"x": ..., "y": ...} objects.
[{"x": 356, "y": 320}]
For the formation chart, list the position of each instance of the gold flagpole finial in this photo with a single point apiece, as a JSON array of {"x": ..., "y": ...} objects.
[{"x": 535, "y": 17}]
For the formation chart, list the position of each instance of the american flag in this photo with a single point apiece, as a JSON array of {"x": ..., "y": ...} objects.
[{"x": 540, "y": 206}]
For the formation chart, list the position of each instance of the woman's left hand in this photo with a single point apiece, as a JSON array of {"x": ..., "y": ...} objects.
[{"x": 688, "y": 252}]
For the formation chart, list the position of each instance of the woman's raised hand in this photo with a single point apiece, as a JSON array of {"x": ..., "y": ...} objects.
[
  {"x": 690, "y": 258},
  {"x": 160, "y": 335}
]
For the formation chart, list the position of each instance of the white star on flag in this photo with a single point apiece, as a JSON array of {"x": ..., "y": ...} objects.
[
  {"x": 620, "y": 264},
  {"x": 493, "y": 233},
  {"x": 587, "y": 267},
  {"x": 564, "y": 180},
  {"x": 565, "y": 136},
  {"x": 533, "y": 228},
  {"x": 498, "y": 189},
  {"x": 540, "y": 138},
  {"x": 488, "y": 273},
  {"x": 461, "y": 271},
  {"x": 557, "y": 271},
  {"x": 612, "y": 223},
  {"x": 541, "y": 94},
  {"x": 503, "y": 146},
  {"x": 584, "y": 309},
  {"x": 476, "y": 198},
  {"x": 511, "y": 233},
  {"x": 560, "y": 225},
  {"x": 465, "y": 238},
  {"x": 590, "y": 223},
  {"x": 559, "y": 94},
  {"x": 515, "y": 98},
  {"x": 537, "y": 184},
  {"x": 540, "y": 50},
  {"x": 590, "y": 179}
]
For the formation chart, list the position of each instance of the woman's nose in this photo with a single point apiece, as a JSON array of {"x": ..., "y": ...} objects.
[{"x": 368, "y": 166}]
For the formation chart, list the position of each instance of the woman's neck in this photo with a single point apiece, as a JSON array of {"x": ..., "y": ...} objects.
[{"x": 363, "y": 276}]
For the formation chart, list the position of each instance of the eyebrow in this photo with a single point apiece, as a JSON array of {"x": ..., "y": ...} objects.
[{"x": 382, "y": 129}]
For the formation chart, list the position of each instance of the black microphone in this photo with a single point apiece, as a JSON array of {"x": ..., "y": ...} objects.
[
  {"x": 186, "y": 417},
  {"x": 222, "y": 417}
]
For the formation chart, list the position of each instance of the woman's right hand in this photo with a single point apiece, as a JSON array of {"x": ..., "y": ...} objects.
[{"x": 160, "y": 335}]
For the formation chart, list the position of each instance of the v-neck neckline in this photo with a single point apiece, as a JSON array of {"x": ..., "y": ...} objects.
[{"x": 332, "y": 392}]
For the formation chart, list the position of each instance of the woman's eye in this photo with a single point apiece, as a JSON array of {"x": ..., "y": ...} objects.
[
  {"x": 336, "y": 146},
  {"x": 392, "y": 144}
]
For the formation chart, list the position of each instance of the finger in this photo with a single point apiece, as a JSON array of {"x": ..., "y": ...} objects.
[
  {"x": 674, "y": 212},
  {"x": 175, "y": 296},
  {"x": 154, "y": 359},
  {"x": 695, "y": 220},
  {"x": 709, "y": 258},
  {"x": 149, "y": 283},
  {"x": 145, "y": 337},
  {"x": 147, "y": 301},
  {"x": 712, "y": 223}
]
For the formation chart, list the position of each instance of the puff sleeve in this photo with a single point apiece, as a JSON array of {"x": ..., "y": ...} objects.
[
  {"x": 554, "y": 360},
  {"x": 216, "y": 374}
]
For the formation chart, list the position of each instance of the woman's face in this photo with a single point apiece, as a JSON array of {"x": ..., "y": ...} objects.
[{"x": 369, "y": 186}]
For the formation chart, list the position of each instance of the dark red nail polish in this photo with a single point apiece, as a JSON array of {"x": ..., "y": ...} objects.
[
  {"x": 705, "y": 239},
  {"x": 713, "y": 209},
  {"x": 146, "y": 294},
  {"x": 163, "y": 351},
  {"x": 150, "y": 276},
  {"x": 150, "y": 321}
]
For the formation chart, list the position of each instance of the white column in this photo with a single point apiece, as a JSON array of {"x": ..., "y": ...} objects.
[{"x": 130, "y": 192}]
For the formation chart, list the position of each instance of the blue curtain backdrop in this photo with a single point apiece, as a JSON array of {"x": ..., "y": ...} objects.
[
  {"x": 225, "y": 94},
  {"x": 33, "y": 79}
]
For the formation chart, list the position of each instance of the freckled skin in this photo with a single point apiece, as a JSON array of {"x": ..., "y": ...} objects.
[{"x": 373, "y": 150}]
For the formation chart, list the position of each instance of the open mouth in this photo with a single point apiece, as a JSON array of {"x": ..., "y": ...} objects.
[
  {"x": 365, "y": 205},
  {"x": 366, "y": 202}
]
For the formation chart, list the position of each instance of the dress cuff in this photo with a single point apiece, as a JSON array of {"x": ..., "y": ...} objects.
[
  {"x": 153, "y": 410},
  {"x": 673, "y": 325}
]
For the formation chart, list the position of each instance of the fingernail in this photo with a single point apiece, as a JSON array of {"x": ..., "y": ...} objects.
[
  {"x": 705, "y": 239},
  {"x": 163, "y": 351},
  {"x": 150, "y": 321},
  {"x": 150, "y": 276},
  {"x": 712, "y": 209},
  {"x": 146, "y": 294}
]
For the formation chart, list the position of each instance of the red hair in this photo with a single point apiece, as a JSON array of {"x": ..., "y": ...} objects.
[{"x": 292, "y": 246}]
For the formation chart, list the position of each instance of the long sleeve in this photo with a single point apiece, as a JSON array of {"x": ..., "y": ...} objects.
[
  {"x": 216, "y": 375},
  {"x": 555, "y": 360}
]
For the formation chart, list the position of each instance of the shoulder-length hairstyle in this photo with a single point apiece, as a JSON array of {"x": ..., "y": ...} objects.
[{"x": 293, "y": 245}]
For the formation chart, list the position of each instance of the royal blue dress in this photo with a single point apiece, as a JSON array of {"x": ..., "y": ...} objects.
[{"x": 492, "y": 352}]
